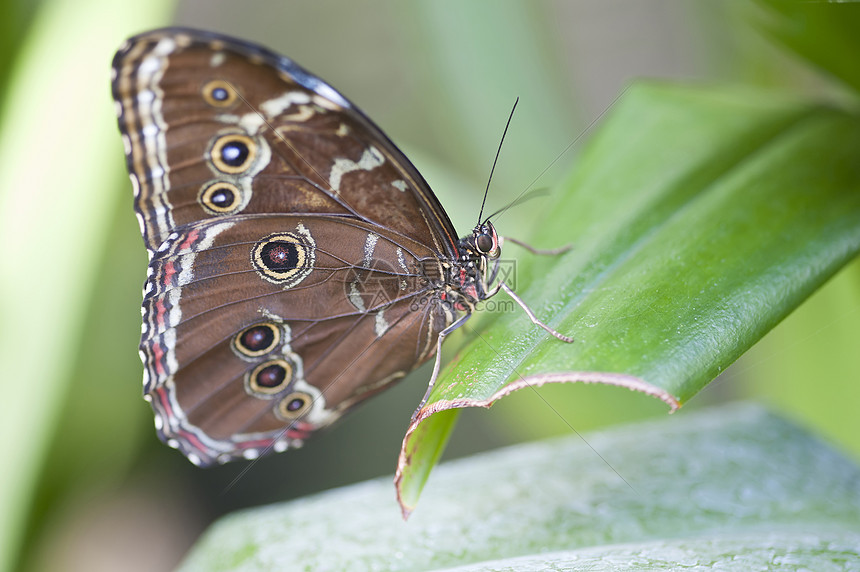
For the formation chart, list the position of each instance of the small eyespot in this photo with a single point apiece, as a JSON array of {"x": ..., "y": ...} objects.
[
  {"x": 294, "y": 406},
  {"x": 219, "y": 93},
  {"x": 269, "y": 378},
  {"x": 220, "y": 197},
  {"x": 233, "y": 153},
  {"x": 257, "y": 340}
]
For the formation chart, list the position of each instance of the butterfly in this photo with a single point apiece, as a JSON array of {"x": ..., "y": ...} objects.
[{"x": 298, "y": 262}]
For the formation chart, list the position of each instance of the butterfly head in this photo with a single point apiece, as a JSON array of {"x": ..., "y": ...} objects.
[
  {"x": 472, "y": 273},
  {"x": 485, "y": 241}
]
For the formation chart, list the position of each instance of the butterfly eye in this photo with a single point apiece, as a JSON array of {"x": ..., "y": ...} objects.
[
  {"x": 269, "y": 378},
  {"x": 233, "y": 153},
  {"x": 485, "y": 243},
  {"x": 220, "y": 197},
  {"x": 257, "y": 340},
  {"x": 218, "y": 93},
  {"x": 294, "y": 406}
]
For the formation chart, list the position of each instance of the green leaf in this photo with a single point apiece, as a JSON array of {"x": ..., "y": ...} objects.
[
  {"x": 700, "y": 217},
  {"x": 750, "y": 491},
  {"x": 823, "y": 33}
]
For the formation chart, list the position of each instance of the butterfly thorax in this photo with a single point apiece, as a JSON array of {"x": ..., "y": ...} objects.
[{"x": 472, "y": 273}]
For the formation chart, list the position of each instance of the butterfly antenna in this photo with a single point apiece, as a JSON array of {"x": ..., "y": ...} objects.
[
  {"x": 532, "y": 194},
  {"x": 508, "y": 124},
  {"x": 575, "y": 140}
]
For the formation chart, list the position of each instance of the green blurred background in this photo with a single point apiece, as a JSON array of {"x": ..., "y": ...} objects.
[{"x": 86, "y": 484}]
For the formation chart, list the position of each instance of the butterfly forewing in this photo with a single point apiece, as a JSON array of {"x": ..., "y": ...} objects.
[
  {"x": 293, "y": 247},
  {"x": 185, "y": 95}
]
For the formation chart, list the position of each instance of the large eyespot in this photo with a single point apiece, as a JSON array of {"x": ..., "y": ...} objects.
[
  {"x": 285, "y": 258},
  {"x": 294, "y": 406},
  {"x": 220, "y": 198},
  {"x": 219, "y": 93},
  {"x": 257, "y": 340},
  {"x": 269, "y": 378},
  {"x": 233, "y": 153}
]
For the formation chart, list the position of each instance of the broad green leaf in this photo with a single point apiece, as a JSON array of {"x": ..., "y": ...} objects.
[
  {"x": 749, "y": 491},
  {"x": 824, "y": 33},
  {"x": 700, "y": 217}
]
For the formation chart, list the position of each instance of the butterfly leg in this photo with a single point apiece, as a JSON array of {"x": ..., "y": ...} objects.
[
  {"x": 438, "y": 362},
  {"x": 540, "y": 251},
  {"x": 494, "y": 274},
  {"x": 531, "y": 314}
]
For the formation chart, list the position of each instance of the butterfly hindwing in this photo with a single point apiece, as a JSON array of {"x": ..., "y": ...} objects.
[{"x": 244, "y": 316}]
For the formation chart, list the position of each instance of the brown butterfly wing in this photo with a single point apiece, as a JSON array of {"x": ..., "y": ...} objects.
[
  {"x": 241, "y": 361},
  {"x": 311, "y": 149},
  {"x": 296, "y": 254}
]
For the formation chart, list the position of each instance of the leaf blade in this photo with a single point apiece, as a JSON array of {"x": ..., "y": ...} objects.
[
  {"x": 705, "y": 224},
  {"x": 746, "y": 473}
]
